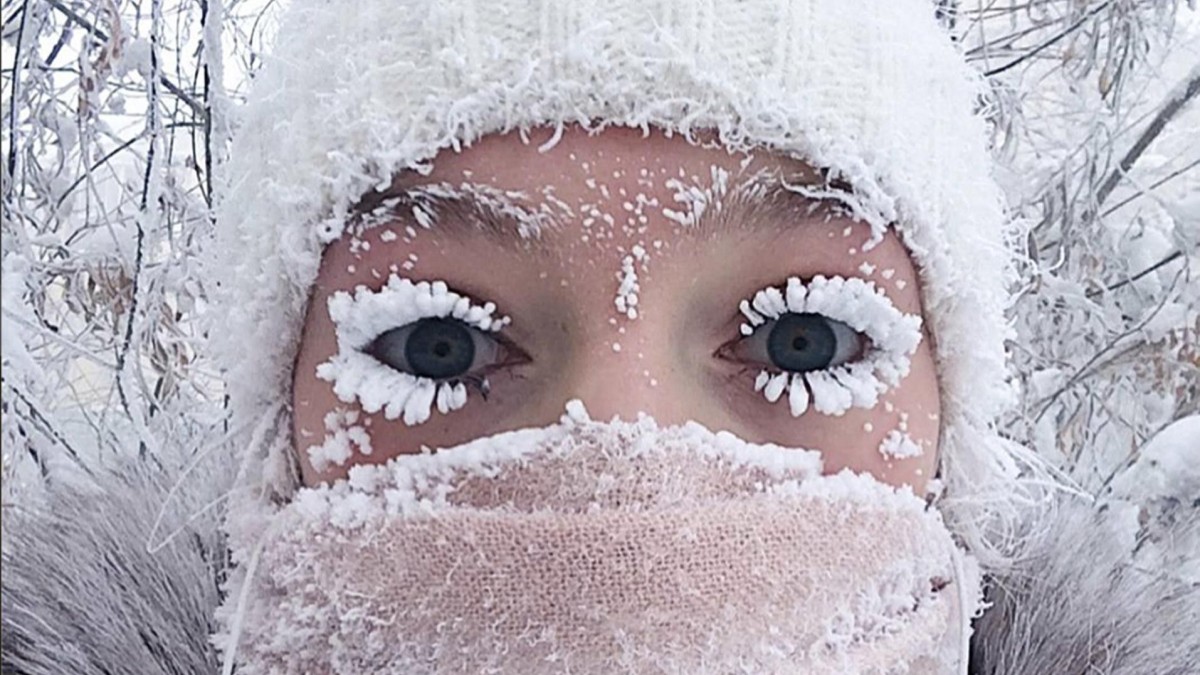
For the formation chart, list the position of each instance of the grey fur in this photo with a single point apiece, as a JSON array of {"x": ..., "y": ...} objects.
[
  {"x": 82, "y": 594},
  {"x": 1079, "y": 605}
]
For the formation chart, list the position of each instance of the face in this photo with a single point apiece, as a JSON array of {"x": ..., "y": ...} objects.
[{"x": 630, "y": 272}]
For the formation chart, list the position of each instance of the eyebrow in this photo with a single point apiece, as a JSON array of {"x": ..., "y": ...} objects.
[
  {"x": 775, "y": 204},
  {"x": 464, "y": 211},
  {"x": 767, "y": 203}
]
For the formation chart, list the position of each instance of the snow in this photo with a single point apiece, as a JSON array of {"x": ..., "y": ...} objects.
[
  {"x": 893, "y": 337},
  {"x": 761, "y": 380},
  {"x": 775, "y": 387},
  {"x": 362, "y": 316},
  {"x": 13, "y": 348},
  {"x": 898, "y": 445},
  {"x": 423, "y": 483},
  {"x": 696, "y": 198},
  {"x": 342, "y": 436},
  {"x": 627, "y": 282},
  {"x": 1168, "y": 466},
  {"x": 798, "y": 396}
]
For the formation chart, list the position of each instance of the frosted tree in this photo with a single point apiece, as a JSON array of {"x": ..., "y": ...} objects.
[
  {"x": 1095, "y": 112},
  {"x": 116, "y": 120}
]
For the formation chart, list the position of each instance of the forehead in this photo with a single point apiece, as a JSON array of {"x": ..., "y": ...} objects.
[
  {"x": 613, "y": 154},
  {"x": 574, "y": 201},
  {"x": 536, "y": 190}
]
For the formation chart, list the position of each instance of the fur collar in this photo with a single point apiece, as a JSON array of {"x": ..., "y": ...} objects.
[{"x": 83, "y": 593}]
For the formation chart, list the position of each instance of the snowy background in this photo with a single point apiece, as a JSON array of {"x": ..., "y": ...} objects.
[{"x": 117, "y": 116}]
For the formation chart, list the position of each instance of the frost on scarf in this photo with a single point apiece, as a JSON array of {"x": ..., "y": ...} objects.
[{"x": 617, "y": 547}]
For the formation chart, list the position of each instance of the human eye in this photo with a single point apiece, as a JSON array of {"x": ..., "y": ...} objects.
[
  {"x": 441, "y": 349},
  {"x": 830, "y": 343},
  {"x": 411, "y": 347},
  {"x": 800, "y": 342}
]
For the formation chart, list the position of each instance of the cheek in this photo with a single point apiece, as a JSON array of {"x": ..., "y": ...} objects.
[{"x": 896, "y": 441}]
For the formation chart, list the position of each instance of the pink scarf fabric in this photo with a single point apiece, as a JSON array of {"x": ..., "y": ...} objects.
[{"x": 606, "y": 548}]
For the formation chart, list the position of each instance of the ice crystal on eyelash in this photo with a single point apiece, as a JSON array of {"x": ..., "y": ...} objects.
[
  {"x": 775, "y": 387},
  {"x": 798, "y": 397},
  {"x": 360, "y": 318},
  {"x": 894, "y": 337},
  {"x": 898, "y": 445},
  {"x": 342, "y": 434}
]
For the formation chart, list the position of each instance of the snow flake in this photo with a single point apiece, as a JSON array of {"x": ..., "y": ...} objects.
[{"x": 898, "y": 445}]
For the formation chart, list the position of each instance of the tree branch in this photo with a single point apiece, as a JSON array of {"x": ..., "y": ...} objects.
[
  {"x": 1049, "y": 43},
  {"x": 99, "y": 34},
  {"x": 1176, "y": 100},
  {"x": 1129, "y": 280}
]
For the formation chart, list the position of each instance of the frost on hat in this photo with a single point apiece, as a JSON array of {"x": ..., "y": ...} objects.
[{"x": 874, "y": 93}]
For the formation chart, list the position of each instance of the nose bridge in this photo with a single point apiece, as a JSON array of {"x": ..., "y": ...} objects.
[
  {"x": 629, "y": 373},
  {"x": 616, "y": 390}
]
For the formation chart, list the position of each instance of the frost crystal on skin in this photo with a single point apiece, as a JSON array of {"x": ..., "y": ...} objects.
[
  {"x": 576, "y": 413},
  {"x": 628, "y": 286},
  {"x": 363, "y": 316},
  {"x": 342, "y": 435},
  {"x": 893, "y": 336},
  {"x": 423, "y": 205},
  {"x": 898, "y": 445}
]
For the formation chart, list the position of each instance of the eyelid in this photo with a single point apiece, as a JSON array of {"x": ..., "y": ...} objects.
[{"x": 363, "y": 316}]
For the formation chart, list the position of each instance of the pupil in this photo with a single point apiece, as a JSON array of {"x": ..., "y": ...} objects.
[
  {"x": 801, "y": 342},
  {"x": 440, "y": 349}
]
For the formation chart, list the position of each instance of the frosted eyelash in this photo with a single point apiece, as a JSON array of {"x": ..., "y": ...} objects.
[
  {"x": 857, "y": 303},
  {"x": 363, "y": 316}
]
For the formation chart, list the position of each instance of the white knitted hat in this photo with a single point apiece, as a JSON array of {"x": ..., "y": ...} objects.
[{"x": 873, "y": 92}]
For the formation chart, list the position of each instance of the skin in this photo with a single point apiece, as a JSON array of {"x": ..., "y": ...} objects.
[{"x": 679, "y": 361}]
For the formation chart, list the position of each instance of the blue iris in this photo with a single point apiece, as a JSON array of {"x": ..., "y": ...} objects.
[
  {"x": 802, "y": 342},
  {"x": 434, "y": 348}
]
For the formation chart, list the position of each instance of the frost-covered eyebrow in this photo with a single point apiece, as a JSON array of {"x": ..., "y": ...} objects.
[
  {"x": 770, "y": 205},
  {"x": 464, "y": 211},
  {"x": 762, "y": 204}
]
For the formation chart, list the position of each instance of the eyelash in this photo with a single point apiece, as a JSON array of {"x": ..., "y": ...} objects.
[
  {"x": 358, "y": 372},
  {"x": 855, "y": 304},
  {"x": 361, "y": 320}
]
